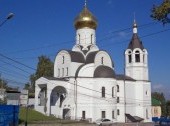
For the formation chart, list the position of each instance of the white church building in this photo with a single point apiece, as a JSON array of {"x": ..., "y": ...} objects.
[{"x": 85, "y": 85}]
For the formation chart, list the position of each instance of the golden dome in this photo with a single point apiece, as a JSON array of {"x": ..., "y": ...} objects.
[{"x": 85, "y": 19}]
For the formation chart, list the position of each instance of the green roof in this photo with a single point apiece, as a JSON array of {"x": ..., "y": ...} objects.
[{"x": 155, "y": 102}]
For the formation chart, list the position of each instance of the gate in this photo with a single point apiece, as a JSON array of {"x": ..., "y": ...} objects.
[{"x": 9, "y": 115}]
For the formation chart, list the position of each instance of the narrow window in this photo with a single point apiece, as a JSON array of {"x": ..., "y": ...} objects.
[
  {"x": 130, "y": 57},
  {"x": 79, "y": 38},
  {"x": 83, "y": 114},
  {"x": 137, "y": 56},
  {"x": 103, "y": 114},
  {"x": 113, "y": 91},
  {"x": 58, "y": 72},
  {"x": 118, "y": 112},
  {"x": 63, "y": 72},
  {"x": 63, "y": 59},
  {"x": 113, "y": 114},
  {"x": 67, "y": 71},
  {"x": 118, "y": 100},
  {"x": 103, "y": 92},
  {"x": 117, "y": 88},
  {"x": 91, "y": 38},
  {"x": 102, "y": 59}
]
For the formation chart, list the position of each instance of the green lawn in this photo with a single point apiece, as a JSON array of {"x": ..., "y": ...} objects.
[{"x": 34, "y": 116}]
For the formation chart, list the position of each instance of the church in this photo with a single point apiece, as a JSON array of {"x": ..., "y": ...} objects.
[{"x": 85, "y": 85}]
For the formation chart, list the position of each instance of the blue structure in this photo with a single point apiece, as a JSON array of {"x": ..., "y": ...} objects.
[
  {"x": 9, "y": 115},
  {"x": 163, "y": 121}
]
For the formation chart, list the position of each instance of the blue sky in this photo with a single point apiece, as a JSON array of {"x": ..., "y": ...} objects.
[{"x": 45, "y": 27}]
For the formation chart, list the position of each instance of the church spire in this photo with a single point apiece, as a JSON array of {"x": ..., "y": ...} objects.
[
  {"x": 135, "y": 30},
  {"x": 85, "y": 3}
]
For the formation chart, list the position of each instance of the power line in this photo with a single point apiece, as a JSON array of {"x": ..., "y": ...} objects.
[
  {"x": 16, "y": 61},
  {"x": 70, "y": 41},
  {"x": 15, "y": 66}
]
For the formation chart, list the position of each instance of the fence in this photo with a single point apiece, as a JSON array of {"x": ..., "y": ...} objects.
[{"x": 9, "y": 115}]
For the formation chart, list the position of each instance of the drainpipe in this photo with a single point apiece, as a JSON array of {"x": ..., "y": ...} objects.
[{"x": 75, "y": 97}]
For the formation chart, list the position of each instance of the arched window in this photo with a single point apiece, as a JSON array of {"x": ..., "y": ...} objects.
[
  {"x": 118, "y": 100},
  {"x": 103, "y": 92},
  {"x": 130, "y": 57},
  {"x": 58, "y": 72},
  {"x": 137, "y": 56},
  {"x": 91, "y": 38},
  {"x": 67, "y": 71},
  {"x": 63, "y": 59},
  {"x": 113, "y": 92},
  {"x": 102, "y": 60},
  {"x": 117, "y": 88}
]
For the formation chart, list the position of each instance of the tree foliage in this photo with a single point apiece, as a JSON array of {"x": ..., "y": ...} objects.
[
  {"x": 3, "y": 83},
  {"x": 45, "y": 68},
  {"x": 161, "y": 98},
  {"x": 162, "y": 12}
]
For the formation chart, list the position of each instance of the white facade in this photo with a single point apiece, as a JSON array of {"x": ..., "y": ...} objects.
[{"x": 85, "y": 85}]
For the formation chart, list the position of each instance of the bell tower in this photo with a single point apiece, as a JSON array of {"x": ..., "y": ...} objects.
[{"x": 136, "y": 58}]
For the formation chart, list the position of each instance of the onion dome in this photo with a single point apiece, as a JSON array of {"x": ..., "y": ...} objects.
[
  {"x": 104, "y": 72},
  {"x": 85, "y": 19}
]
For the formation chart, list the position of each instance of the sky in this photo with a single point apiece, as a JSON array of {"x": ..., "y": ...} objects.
[{"x": 42, "y": 27}]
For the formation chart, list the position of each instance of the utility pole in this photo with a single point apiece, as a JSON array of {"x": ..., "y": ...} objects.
[{"x": 124, "y": 86}]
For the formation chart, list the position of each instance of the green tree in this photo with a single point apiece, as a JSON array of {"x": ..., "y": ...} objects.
[
  {"x": 45, "y": 68},
  {"x": 161, "y": 12},
  {"x": 168, "y": 107},
  {"x": 3, "y": 83},
  {"x": 161, "y": 98}
]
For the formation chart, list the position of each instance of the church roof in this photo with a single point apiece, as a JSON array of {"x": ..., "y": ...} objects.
[
  {"x": 104, "y": 72},
  {"x": 155, "y": 102},
  {"x": 76, "y": 56},
  {"x": 91, "y": 56},
  {"x": 55, "y": 78},
  {"x": 135, "y": 43},
  {"x": 85, "y": 19},
  {"x": 124, "y": 77}
]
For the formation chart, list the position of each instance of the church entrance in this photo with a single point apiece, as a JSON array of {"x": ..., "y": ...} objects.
[
  {"x": 66, "y": 114},
  {"x": 58, "y": 95}
]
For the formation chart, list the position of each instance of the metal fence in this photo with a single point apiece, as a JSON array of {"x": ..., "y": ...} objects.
[{"x": 9, "y": 115}]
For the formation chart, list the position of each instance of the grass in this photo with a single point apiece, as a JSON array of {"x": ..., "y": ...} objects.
[{"x": 34, "y": 116}]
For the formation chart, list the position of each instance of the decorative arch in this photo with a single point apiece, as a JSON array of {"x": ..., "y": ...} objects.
[
  {"x": 58, "y": 95},
  {"x": 129, "y": 56},
  {"x": 137, "y": 56},
  {"x": 42, "y": 95}
]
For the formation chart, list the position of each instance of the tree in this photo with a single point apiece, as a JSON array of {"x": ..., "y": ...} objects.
[
  {"x": 45, "y": 68},
  {"x": 161, "y": 98},
  {"x": 3, "y": 83},
  {"x": 161, "y": 12},
  {"x": 168, "y": 107}
]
